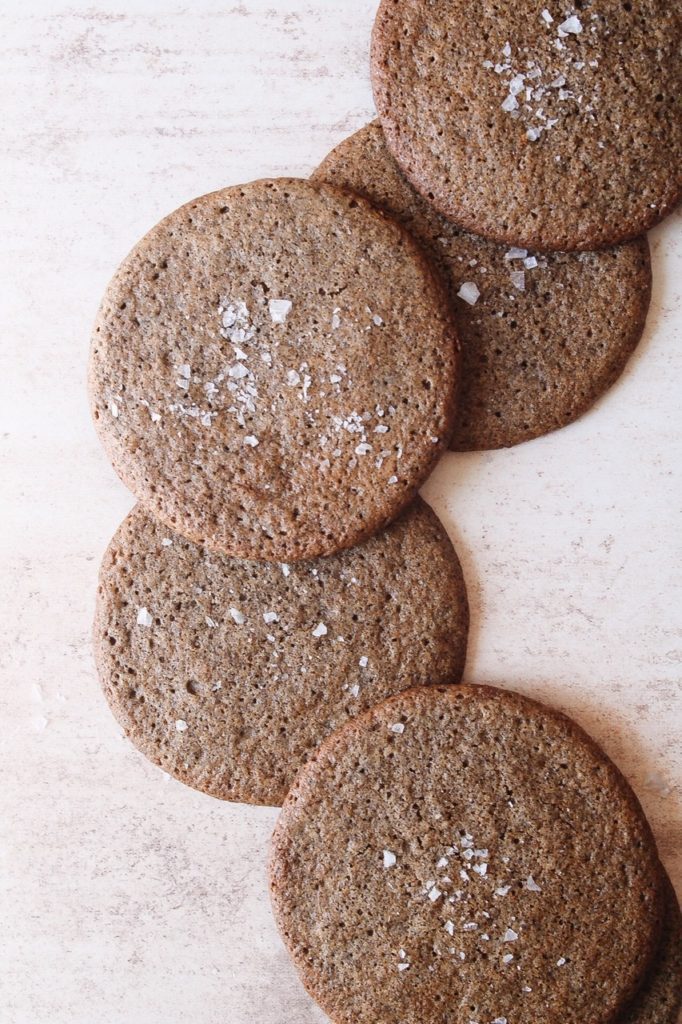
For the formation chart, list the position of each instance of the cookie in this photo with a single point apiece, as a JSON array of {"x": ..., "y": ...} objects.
[
  {"x": 543, "y": 337},
  {"x": 661, "y": 997},
  {"x": 261, "y": 383},
  {"x": 462, "y": 855},
  {"x": 532, "y": 124},
  {"x": 228, "y": 673}
]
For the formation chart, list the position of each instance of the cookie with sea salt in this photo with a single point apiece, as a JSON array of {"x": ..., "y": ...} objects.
[
  {"x": 660, "y": 999},
  {"x": 543, "y": 337},
  {"x": 259, "y": 380},
  {"x": 464, "y": 854},
  {"x": 534, "y": 124},
  {"x": 228, "y": 673}
]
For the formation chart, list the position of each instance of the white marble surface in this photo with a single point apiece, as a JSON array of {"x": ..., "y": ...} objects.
[{"x": 126, "y": 897}]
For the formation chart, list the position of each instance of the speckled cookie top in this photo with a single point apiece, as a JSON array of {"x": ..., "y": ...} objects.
[
  {"x": 465, "y": 855},
  {"x": 543, "y": 337},
  {"x": 660, "y": 999},
  {"x": 229, "y": 673},
  {"x": 261, "y": 383},
  {"x": 558, "y": 127}
]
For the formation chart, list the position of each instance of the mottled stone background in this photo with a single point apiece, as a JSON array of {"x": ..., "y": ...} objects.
[{"x": 125, "y": 898}]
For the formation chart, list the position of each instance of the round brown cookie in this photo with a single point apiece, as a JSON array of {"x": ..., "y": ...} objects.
[
  {"x": 462, "y": 855},
  {"x": 661, "y": 997},
  {"x": 228, "y": 673},
  {"x": 261, "y": 383},
  {"x": 534, "y": 124},
  {"x": 543, "y": 337}
]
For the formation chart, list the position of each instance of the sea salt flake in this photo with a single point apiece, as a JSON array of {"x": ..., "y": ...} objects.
[
  {"x": 113, "y": 409},
  {"x": 293, "y": 378},
  {"x": 510, "y": 103},
  {"x": 531, "y": 885},
  {"x": 572, "y": 26},
  {"x": 533, "y": 134},
  {"x": 403, "y": 967},
  {"x": 500, "y": 1020},
  {"x": 503, "y": 890},
  {"x": 336, "y": 320},
  {"x": 269, "y": 617},
  {"x": 518, "y": 279},
  {"x": 516, "y": 85},
  {"x": 390, "y": 859},
  {"x": 181, "y": 725},
  {"x": 279, "y": 310},
  {"x": 510, "y": 935},
  {"x": 143, "y": 617},
  {"x": 442, "y": 863},
  {"x": 530, "y": 263},
  {"x": 354, "y": 690},
  {"x": 469, "y": 292},
  {"x": 507, "y": 958},
  {"x": 166, "y": 542},
  {"x": 335, "y": 379},
  {"x": 364, "y": 661},
  {"x": 184, "y": 371},
  {"x": 238, "y": 616},
  {"x": 481, "y": 869},
  {"x": 561, "y": 961},
  {"x": 393, "y": 479},
  {"x": 516, "y": 254},
  {"x": 398, "y": 728},
  {"x": 377, "y": 321},
  {"x": 547, "y": 17},
  {"x": 238, "y": 371},
  {"x": 211, "y": 623},
  {"x": 285, "y": 569},
  {"x": 435, "y": 894},
  {"x": 251, "y": 441},
  {"x": 470, "y": 926},
  {"x": 363, "y": 449},
  {"x": 320, "y": 630},
  {"x": 506, "y": 50}
]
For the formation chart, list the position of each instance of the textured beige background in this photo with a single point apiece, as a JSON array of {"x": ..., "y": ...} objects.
[{"x": 125, "y": 897}]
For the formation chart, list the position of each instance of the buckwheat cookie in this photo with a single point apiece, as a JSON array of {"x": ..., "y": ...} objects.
[
  {"x": 534, "y": 124},
  {"x": 543, "y": 337},
  {"x": 261, "y": 382},
  {"x": 229, "y": 673},
  {"x": 464, "y": 854},
  {"x": 661, "y": 997}
]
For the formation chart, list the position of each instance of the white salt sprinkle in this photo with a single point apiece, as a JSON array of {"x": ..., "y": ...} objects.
[
  {"x": 516, "y": 254},
  {"x": 518, "y": 279},
  {"x": 364, "y": 661},
  {"x": 469, "y": 292},
  {"x": 251, "y": 441},
  {"x": 389, "y": 859},
  {"x": 320, "y": 630},
  {"x": 238, "y": 616},
  {"x": 531, "y": 885},
  {"x": 572, "y": 25},
  {"x": 279, "y": 310},
  {"x": 507, "y": 958},
  {"x": 547, "y": 17},
  {"x": 398, "y": 728},
  {"x": 510, "y": 935},
  {"x": 166, "y": 542},
  {"x": 269, "y": 617},
  {"x": 181, "y": 725},
  {"x": 143, "y": 617},
  {"x": 561, "y": 961}
]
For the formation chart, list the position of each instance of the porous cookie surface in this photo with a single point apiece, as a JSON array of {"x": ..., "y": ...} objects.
[
  {"x": 458, "y": 854},
  {"x": 229, "y": 673},
  {"x": 558, "y": 127},
  {"x": 543, "y": 337},
  {"x": 660, "y": 1000},
  {"x": 259, "y": 380}
]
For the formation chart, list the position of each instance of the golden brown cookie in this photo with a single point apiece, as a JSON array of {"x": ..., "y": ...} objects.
[
  {"x": 229, "y": 673},
  {"x": 261, "y": 382},
  {"x": 534, "y": 124},
  {"x": 543, "y": 337},
  {"x": 464, "y": 854}
]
